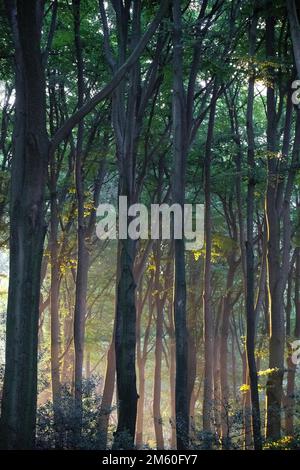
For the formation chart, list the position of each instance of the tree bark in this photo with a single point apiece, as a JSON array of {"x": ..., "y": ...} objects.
[
  {"x": 226, "y": 311},
  {"x": 250, "y": 311},
  {"x": 274, "y": 287},
  {"x": 158, "y": 425},
  {"x": 208, "y": 323},
  {"x": 27, "y": 228},
  {"x": 54, "y": 309},
  {"x": 295, "y": 31},
  {"x": 179, "y": 165},
  {"x": 142, "y": 353},
  {"x": 82, "y": 251},
  {"x": 173, "y": 440},
  {"x": 107, "y": 396}
]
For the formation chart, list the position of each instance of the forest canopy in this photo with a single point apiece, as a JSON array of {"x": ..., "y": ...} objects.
[{"x": 141, "y": 342}]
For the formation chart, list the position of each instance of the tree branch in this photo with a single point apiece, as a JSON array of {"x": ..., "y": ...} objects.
[{"x": 67, "y": 127}]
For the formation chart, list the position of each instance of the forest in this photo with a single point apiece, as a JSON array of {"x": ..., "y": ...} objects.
[{"x": 147, "y": 342}]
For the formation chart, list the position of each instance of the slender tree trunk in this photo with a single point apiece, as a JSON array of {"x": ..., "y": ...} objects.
[
  {"x": 173, "y": 441},
  {"x": 107, "y": 396},
  {"x": 233, "y": 361},
  {"x": 67, "y": 366},
  {"x": 54, "y": 311},
  {"x": 193, "y": 335},
  {"x": 208, "y": 317},
  {"x": 179, "y": 165},
  {"x": 224, "y": 353},
  {"x": 142, "y": 353},
  {"x": 142, "y": 357},
  {"x": 192, "y": 362},
  {"x": 193, "y": 430},
  {"x": 82, "y": 252},
  {"x": 250, "y": 311},
  {"x": 158, "y": 425},
  {"x": 246, "y": 406},
  {"x": 141, "y": 404},
  {"x": 216, "y": 373}
]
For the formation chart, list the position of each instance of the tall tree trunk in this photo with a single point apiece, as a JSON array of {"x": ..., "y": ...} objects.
[
  {"x": 226, "y": 311},
  {"x": 234, "y": 369},
  {"x": 274, "y": 288},
  {"x": 208, "y": 323},
  {"x": 142, "y": 353},
  {"x": 125, "y": 342},
  {"x": 54, "y": 310},
  {"x": 246, "y": 406},
  {"x": 192, "y": 362},
  {"x": 82, "y": 252},
  {"x": 27, "y": 228},
  {"x": 295, "y": 31},
  {"x": 173, "y": 440},
  {"x": 107, "y": 395},
  {"x": 126, "y": 132},
  {"x": 250, "y": 311},
  {"x": 141, "y": 404},
  {"x": 179, "y": 166},
  {"x": 216, "y": 372},
  {"x": 158, "y": 356},
  {"x": 67, "y": 366}
]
